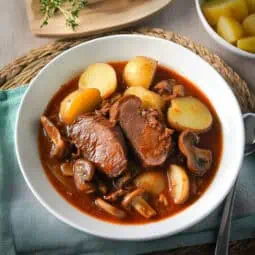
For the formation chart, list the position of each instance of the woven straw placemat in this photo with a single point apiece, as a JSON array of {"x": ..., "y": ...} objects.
[{"x": 23, "y": 69}]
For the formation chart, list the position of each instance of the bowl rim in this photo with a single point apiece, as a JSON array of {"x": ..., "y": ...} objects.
[
  {"x": 110, "y": 236},
  {"x": 218, "y": 38}
]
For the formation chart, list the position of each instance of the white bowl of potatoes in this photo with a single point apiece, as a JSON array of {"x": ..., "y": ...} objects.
[{"x": 231, "y": 23}]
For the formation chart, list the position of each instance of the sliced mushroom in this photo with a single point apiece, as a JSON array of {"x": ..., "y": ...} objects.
[
  {"x": 114, "y": 211},
  {"x": 135, "y": 199},
  {"x": 199, "y": 160},
  {"x": 66, "y": 182},
  {"x": 55, "y": 136},
  {"x": 67, "y": 168},
  {"x": 178, "y": 184},
  {"x": 83, "y": 174},
  {"x": 85, "y": 169},
  {"x": 152, "y": 182}
]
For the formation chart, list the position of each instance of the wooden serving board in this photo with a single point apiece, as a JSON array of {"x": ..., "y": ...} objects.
[{"x": 104, "y": 16}]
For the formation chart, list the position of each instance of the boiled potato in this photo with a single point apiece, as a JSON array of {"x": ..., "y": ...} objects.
[
  {"x": 152, "y": 182},
  {"x": 249, "y": 25},
  {"x": 100, "y": 76},
  {"x": 149, "y": 98},
  {"x": 140, "y": 71},
  {"x": 178, "y": 184},
  {"x": 78, "y": 102},
  {"x": 251, "y": 5},
  {"x": 189, "y": 113},
  {"x": 214, "y": 9},
  {"x": 247, "y": 43},
  {"x": 230, "y": 29}
]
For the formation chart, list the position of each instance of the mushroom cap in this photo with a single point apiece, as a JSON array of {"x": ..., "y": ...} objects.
[
  {"x": 199, "y": 161},
  {"x": 83, "y": 174},
  {"x": 84, "y": 169}
]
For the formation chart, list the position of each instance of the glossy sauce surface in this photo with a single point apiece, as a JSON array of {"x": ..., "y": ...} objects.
[{"x": 65, "y": 185}]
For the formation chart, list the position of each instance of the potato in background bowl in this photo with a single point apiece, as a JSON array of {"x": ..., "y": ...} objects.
[{"x": 210, "y": 23}]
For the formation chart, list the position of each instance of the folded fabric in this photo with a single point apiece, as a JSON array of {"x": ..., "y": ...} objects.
[{"x": 26, "y": 227}]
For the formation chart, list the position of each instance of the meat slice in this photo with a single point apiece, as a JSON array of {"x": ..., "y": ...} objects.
[
  {"x": 101, "y": 143},
  {"x": 145, "y": 130}
]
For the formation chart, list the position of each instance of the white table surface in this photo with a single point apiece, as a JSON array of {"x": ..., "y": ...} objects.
[{"x": 181, "y": 17}]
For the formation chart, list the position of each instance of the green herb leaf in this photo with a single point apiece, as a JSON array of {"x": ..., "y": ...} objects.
[{"x": 69, "y": 8}]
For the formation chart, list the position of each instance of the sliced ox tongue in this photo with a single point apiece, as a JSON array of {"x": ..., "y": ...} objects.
[
  {"x": 101, "y": 143},
  {"x": 145, "y": 131}
]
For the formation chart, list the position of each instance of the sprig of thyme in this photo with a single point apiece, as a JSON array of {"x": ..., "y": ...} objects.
[{"x": 69, "y": 8}]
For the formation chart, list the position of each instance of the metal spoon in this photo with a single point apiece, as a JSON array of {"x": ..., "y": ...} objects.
[{"x": 225, "y": 224}]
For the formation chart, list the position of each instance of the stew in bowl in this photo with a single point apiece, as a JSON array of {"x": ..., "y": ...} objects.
[
  {"x": 146, "y": 156},
  {"x": 130, "y": 142}
]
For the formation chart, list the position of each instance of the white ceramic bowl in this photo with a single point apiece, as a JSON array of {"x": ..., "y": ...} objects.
[
  {"x": 218, "y": 38},
  {"x": 115, "y": 48}
]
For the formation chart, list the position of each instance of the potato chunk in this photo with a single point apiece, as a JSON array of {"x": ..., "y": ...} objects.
[
  {"x": 100, "y": 76},
  {"x": 214, "y": 9},
  {"x": 78, "y": 102},
  {"x": 178, "y": 184},
  {"x": 251, "y": 5},
  {"x": 189, "y": 113},
  {"x": 230, "y": 29},
  {"x": 247, "y": 43},
  {"x": 249, "y": 25},
  {"x": 140, "y": 71},
  {"x": 149, "y": 98}
]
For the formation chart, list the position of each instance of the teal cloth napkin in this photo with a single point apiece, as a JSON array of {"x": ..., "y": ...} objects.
[{"x": 27, "y": 228}]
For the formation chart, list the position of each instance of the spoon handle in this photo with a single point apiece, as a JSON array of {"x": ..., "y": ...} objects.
[{"x": 225, "y": 224}]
